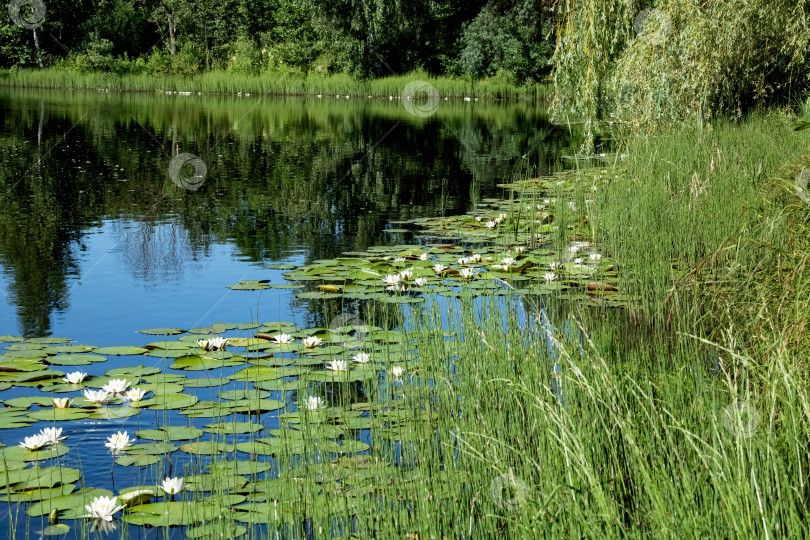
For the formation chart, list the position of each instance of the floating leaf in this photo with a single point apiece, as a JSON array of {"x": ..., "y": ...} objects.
[
  {"x": 120, "y": 351},
  {"x": 75, "y": 501},
  {"x": 171, "y": 433},
  {"x": 162, "y": 331}
]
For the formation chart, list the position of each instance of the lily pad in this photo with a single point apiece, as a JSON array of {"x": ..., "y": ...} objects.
[
  {"x": 171, "y": 433},
  {"x": 120, "y": 351}
]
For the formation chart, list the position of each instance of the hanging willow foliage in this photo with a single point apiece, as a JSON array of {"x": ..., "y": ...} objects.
[
  {"x": 591, "y": 34},
  {"x": 689, "y": 61},
  {"x": 697, "y": 60}
]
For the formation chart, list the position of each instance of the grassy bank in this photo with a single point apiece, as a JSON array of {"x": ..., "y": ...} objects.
[
  {"x": 712, "y": 234},
  {"x": 220, "y": 82}
]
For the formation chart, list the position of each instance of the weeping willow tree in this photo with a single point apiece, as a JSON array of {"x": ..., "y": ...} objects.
[
  {"x": 591, "y": 35},
  {"x": 682, "y": 61},
  {"x": 697, "y": 60}
]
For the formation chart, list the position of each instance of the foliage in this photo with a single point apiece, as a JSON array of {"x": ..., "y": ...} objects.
[
  {"x": 591, "y": 35},
  {"x": 508, "y": 36},
  {"x": 702, "y": 60}
]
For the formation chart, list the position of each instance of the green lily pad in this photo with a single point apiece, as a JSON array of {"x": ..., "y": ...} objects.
[
  {"x": 59, "y": 529},
  {"x": 232, "y": 428},
  {"x": 162, "y": 331},
  {"x": 131, "y": 372},
  {"x": 206, "y": 447},
  {"x": 220, "y": 529},
  {"x": 59, "y": 415},
  {"x": 204, "y": 382},
  {"x": 239, "y": 467},
  {"x": 120, "y": 351},
  {"x": 75, "y": 501},
  {"x": 250, "y": 285},
  {"x": 256, "y": 373},
  {"x": 75, "y": 359},
  {"x": 167, "y": 401},
  {"x": 171, "y": 433},
  {"x": 138, "y": 461},
  {"x": 49, "y": 340},
  {"x": 175, "y": 513}
]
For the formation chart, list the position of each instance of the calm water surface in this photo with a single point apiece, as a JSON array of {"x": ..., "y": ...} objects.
[{"x": 97, "y": 241}]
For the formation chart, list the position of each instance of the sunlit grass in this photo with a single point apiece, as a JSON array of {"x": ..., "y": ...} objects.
[{"x": 220, "y": 82}]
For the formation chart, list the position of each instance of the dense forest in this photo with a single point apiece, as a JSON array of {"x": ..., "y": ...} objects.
[
  {"x": 643, "y": 61},
  {"x": 365, "y": 38}
]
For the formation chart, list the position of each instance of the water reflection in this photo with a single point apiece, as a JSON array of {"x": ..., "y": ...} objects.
[{"x": 283, "y": 177}]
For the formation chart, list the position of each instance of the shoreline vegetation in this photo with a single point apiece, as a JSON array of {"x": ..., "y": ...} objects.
[{"x": 278, "y": 83}]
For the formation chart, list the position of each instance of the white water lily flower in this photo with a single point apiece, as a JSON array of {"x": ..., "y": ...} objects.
[
  {"x": 549, "y": 277},
  {"x": 491, "y": 224},
  {"x": 595, "y": 256},
  {"x": 118, "y": 441},
  {"x": 75, "y": 377},
  {"x": 116, "y": 386},
  {"x": 135, "y": 394},
  {"x": 502, "y": 216},
  {"x": 172, "y": 486},
  {"x": 52, "y": 435},
  {"x": 338, "y": 365},
  {"x": 103, "y": 508},
  {"x": 392, "y": 279},
  {"x": 314, "y": 403},
  {"x": 519, "y": 250},
  {"x": 62, "y": 403},
  {"x": 507, "y": 261},
  {"x": 476, "y": 257},
  {"x": 578, "y": 260},
  {"x": 405, "y": 275},
  {"x": 478, "y": 218},
  {"x": 439, "y": 268},
  {"x": 573, "y": 249},
  {"x": 462, "y": 261},
  {"x": 397, "y": 371},
  {"x": 312, "y": 341},
  {"x": 467, "y": 273},
  {"x": 282, "y": 338},
  {"x": 399, "y": 259},
  {"x": 420, "y": 282},
  {"x": 95, "y": 396},
  {"x": 362, "y": 358},
  {"x": 218, "y": 343},
  {"x": 554, "y": 265},
  {"x": 423, "y": 257},
  {"x": 213, "y": 344},
  {"x": 34, "y": 442},
  {"x": 572, "y": 205}
]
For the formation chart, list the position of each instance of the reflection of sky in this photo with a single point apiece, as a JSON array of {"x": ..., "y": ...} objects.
[{"x": 108, "y": 301}]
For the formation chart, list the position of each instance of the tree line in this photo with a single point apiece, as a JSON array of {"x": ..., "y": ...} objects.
[{"x": 363, "y": 38}]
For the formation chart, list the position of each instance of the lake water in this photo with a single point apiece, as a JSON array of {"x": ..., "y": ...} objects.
[{"x": 98, "y": 240}]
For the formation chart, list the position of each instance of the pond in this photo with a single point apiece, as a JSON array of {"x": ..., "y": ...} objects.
[{"x": 128, "y": 212}]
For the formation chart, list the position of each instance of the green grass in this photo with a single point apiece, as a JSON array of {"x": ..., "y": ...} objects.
[
  {"x": 220, "y": 82},
  {"x": 688, "y": 417}
]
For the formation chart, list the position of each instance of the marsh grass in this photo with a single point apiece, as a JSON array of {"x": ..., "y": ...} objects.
[{"x": 219, "y": 82}]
